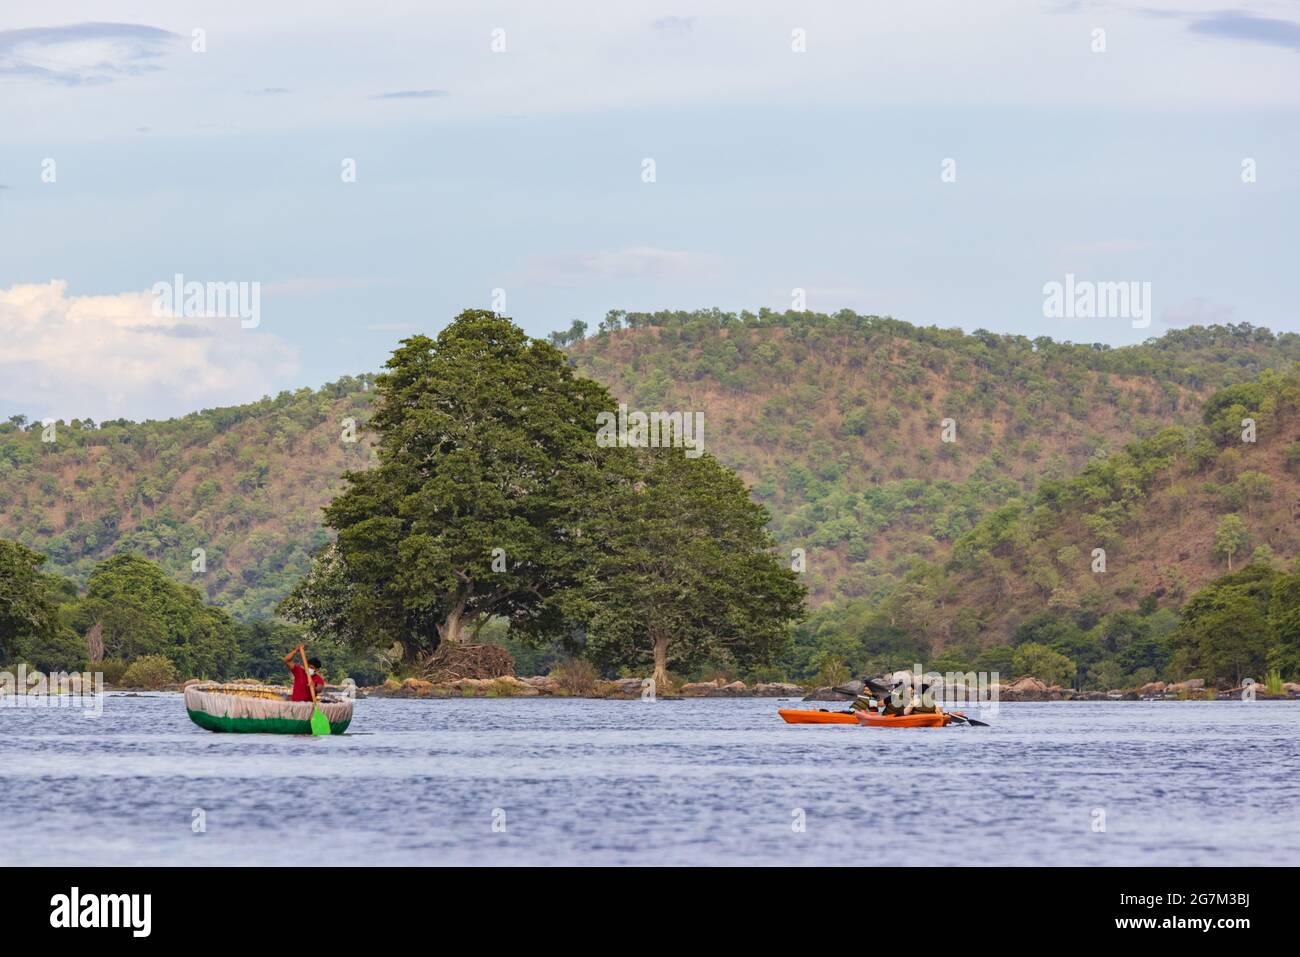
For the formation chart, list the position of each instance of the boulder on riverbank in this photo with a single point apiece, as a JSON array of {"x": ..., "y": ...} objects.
[
  {"x": 714, "y": 689},
  {"x": 777, "y": 689},
  {"x": 1029, "y": 688}
]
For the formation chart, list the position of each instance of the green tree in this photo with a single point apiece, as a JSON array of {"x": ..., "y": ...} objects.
[
  {"x": 322, "y": 601},
  {"x": 1225, "y": 633},
  {"x": 687, "y": 574},
  {"x": 27, "y": 612},
  {"x": 1254, "y": 487},
  {"x": 143, "y": 612},
  {"x": 1230, "y": 536},
  {"x": 1050, "y": 667},
  {"x": 487, "y": 467},
  {"x": 1284, "y": 618}
]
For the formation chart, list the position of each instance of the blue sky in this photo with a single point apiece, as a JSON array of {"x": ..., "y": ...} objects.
[{"x": 522, "y": 170}]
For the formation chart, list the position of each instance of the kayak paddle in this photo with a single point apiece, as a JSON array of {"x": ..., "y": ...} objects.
[
  {"x": 971, "y": 721},
  {"x": 319, "y": 723}
]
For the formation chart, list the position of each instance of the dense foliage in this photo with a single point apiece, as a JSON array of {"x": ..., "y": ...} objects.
[
  {"x": 492, "y": 498},
  {"x": 684, "y": 574},
  {"x": 148, "y": 629}
]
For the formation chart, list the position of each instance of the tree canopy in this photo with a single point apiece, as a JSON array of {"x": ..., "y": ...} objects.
[
  {"x": 686, "y": 572},
  {"x": 486, "y": 470}
]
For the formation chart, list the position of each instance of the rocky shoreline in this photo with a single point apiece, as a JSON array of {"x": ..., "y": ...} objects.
[
  {"x": 1024, "y": 689},
  {"x": 548, "y": 686},
  {"x": 627, "y": 689}
]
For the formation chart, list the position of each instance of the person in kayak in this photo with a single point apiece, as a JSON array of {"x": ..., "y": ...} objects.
[
  {"x": 301, "y": 691},
  {"x": 869, "y": 698},
  {"x": 905, "y": 698},
  {"x": 865, "y": 701}
]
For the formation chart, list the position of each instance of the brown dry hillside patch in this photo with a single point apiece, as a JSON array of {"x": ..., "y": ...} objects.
[
  {"x": 777, "y": 421},
  {"x": 1166, "y": 551}
]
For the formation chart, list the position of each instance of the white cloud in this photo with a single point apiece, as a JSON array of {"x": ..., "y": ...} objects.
[
  {"x": 110, "y": 357},
  {"x": 81, "y": 53}
]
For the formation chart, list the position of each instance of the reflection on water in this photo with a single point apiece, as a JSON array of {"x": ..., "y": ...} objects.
[{"x": 546, "y": 781}]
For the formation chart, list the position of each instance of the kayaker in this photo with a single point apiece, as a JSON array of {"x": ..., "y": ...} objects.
[
  {"x": 916, "y": 701},
  {"x": 301, "y": 692},
  {"x": 865, "y": 701},
  {"x": 869, "y": 698},
  {"x": 905, "y": 698}
]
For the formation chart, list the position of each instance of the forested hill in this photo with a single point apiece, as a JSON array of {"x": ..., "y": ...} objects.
[
  {"x": 1138, "y": 531},
  {"x": 244, "y": 484},
  {"x": 835, "y": 420}
]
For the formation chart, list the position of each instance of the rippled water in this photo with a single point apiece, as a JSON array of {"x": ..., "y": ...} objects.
[{"x": 670, "y": 782}]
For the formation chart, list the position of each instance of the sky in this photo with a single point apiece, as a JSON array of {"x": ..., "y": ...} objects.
[{"x": 372, "y": 172}]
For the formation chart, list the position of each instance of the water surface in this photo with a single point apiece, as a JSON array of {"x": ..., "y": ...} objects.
[{"x": 562, "y": 781}]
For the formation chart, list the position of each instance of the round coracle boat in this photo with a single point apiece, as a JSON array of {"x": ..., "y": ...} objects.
[{"x": 260, "y": 709}]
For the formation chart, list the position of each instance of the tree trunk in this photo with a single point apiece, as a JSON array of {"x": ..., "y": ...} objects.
[
  {"x": 661, "y": 663},
  {"x": 449, "y": 632}
]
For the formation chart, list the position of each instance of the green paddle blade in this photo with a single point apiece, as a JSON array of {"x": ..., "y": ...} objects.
[{"x": 319, "y": 723}]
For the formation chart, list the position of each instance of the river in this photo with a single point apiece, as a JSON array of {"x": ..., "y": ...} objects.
[{"x": 708, "y": 781}]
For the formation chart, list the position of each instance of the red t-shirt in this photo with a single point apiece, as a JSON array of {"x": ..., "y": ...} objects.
[{"x": 300, "y": 690}]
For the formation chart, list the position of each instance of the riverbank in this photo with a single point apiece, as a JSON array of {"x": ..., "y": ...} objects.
[
  {"x": 628, "y": 689},
  {"x": 1024, "y": 689}
]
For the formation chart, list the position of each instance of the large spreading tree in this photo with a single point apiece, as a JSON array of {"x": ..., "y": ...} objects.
[
  {"x": 491, "y": 497},
  {"x": 487, "y": 467}
]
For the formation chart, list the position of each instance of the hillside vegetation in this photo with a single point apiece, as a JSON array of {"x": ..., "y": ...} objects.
[
  {"x": 834, "y": 421},
  {"x": 245, "y": 484},
  {"x": 1167, "y": 514},
  {"x": 837, "y": 421}
]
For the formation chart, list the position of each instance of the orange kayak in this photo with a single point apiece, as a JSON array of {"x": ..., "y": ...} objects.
[
  {"x": 806, "y": 716},
  {"x": 902, "y": 720}
]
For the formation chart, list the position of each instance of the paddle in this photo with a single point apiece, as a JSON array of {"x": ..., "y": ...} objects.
[
  {"x": 971, "y": 721},
  {"x": 319, "y": 723}
]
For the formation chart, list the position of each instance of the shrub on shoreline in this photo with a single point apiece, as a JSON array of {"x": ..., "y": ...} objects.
[{"x": 152, "y": 672}]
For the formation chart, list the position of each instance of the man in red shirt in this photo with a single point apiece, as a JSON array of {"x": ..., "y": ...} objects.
[{"x": 301, "y": 692}]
